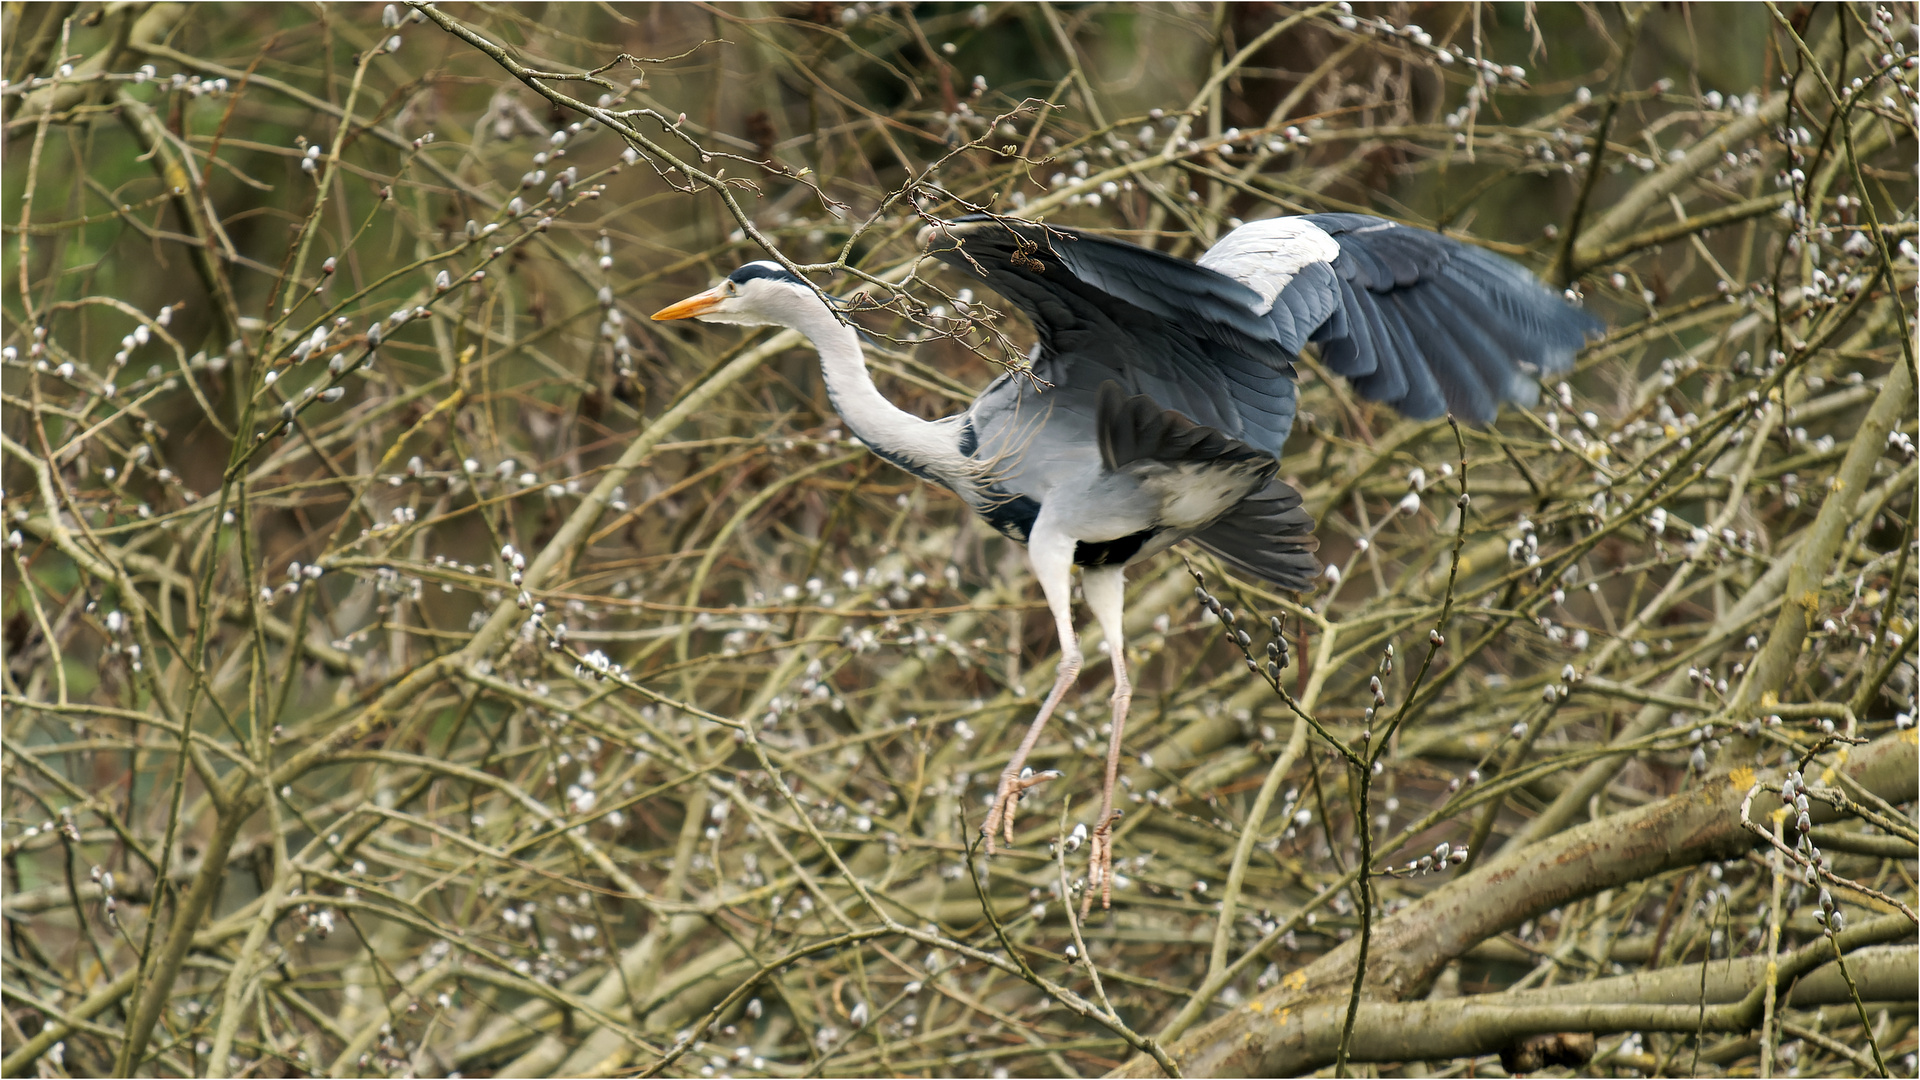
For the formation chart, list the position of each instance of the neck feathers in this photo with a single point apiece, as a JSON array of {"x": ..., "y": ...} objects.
[{"x": 925, "y": 448}]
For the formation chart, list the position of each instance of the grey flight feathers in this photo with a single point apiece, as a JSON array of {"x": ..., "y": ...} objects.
[
  {"x": 1414, "y": 319},
  {"x": 1153, "y": 357}
]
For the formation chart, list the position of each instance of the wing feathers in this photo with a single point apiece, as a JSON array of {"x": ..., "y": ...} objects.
[
  {"x": 1268, "y": 536},
  {"x": 1157, "y": 359},
  {"x": 1134, "y": 429},
  {"x": 1414, "y": 319},
  {"x": 1166, "y": 362},
  {"x": 1207, "y": 304},
  {"x": 1180, "y": 333},
  {"x": 1429, "y": 376}
]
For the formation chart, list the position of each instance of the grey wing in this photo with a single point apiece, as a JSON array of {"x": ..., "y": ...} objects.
[
  {"x": 1187, "y": 337},
  {"x": 1422, "y": 322}
]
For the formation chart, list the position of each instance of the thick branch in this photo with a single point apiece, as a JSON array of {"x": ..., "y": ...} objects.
[
  {"x": 1489, "y": 1023},
  {"x": 1695, "y": 826}
]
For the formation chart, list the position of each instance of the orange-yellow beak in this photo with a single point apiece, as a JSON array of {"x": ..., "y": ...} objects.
[{"x": 697, "y": 304}]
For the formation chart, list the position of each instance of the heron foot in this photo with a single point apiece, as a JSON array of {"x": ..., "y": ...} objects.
[
  {"x": 1000, "y": 818},
  {"x": 1100, "y": 866}
]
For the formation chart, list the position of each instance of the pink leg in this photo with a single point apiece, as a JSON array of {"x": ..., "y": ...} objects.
[
  {"x": 1105, "y": 589},
  {"x": 1051, "y": 553}
]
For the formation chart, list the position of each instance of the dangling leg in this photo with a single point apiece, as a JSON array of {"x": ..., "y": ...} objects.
[
  {"x": 1105, "y": 589},
  {"x": 1051, "y": 553}
]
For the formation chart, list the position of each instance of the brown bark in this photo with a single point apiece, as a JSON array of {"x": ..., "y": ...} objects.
[{"x": 1410, "y": 948}]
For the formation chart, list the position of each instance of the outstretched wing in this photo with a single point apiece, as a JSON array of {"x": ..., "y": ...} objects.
[
  {"x": 1422, "y": 322},
  {"x": 1189, "y": 338}
]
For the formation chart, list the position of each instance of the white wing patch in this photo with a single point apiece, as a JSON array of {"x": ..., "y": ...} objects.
[{"x": 1265, "y": 255}]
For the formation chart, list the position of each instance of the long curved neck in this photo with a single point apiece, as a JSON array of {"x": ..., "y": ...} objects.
[{"x": 890, "y": 431}]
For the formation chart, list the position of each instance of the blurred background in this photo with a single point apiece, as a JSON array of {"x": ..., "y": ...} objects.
[{"x": 403, "y": 634}]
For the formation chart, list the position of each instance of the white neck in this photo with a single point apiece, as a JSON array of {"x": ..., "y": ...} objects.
[{"x": 889, "y": 430}]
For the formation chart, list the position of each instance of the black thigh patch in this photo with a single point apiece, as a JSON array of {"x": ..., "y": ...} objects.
[
  {"x": 1111, "y": 552},
  {"x": 1011, "y": 515}
]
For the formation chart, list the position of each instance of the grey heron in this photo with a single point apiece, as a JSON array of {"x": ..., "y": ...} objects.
[{"x": 1160, "y": 395}]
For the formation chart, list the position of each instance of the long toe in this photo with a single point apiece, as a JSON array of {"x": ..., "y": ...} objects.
[
  {"x": 1000, "y": 820},
  {"x": 1099, "y": 877},
  {"x": 1001, "y": 812},
  {"x": 1100, "y": 866}
]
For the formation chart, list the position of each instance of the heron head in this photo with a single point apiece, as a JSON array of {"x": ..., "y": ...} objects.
[{"x": 757, "y": 294}]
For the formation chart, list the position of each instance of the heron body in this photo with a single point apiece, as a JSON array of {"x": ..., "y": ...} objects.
[{"x": 1162, "y": 391}]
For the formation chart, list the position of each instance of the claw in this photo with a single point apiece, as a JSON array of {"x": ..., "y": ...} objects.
[
  {"x": 1000, "y": 819},
  {"x": 1100, "y": 866}
]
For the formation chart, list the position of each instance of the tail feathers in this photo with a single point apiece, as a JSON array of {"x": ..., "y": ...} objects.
[
  {"x": 1136, "y": 428},
  {"x": 1268, "y": 536}
]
